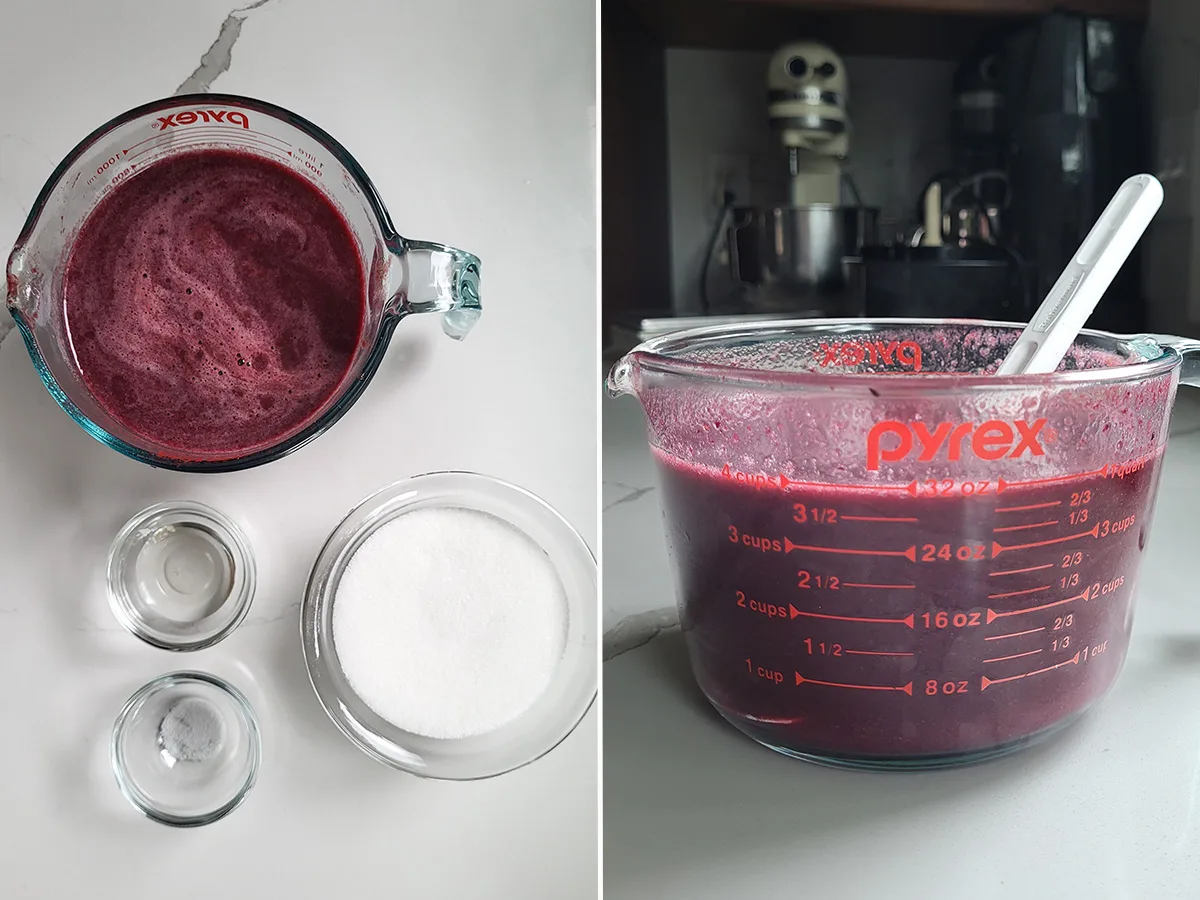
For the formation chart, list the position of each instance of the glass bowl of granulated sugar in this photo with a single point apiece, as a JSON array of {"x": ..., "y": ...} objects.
[{"x": 449, "y": 626}]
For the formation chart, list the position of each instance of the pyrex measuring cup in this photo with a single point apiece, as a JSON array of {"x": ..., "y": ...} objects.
[
  {"x": 886, "y": 557},
  {"x": 403, "y": 276}
]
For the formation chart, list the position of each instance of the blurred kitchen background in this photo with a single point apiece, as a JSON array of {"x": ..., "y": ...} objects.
[{"x": 890, "y": 157}]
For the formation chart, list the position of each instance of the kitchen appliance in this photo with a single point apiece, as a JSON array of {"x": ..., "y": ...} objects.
[
  {"x": 975, "y": 281},
  {"x": 887, "y": 556},
  {"x": 793, "y": 255},
  {"x": 405, "y": 276},
  {"x": 969, "y": 204},
  {"x": 806, "y": 103},
  {"x": 1079, "y": 126},
  {"x": 960, "y": 262},
  {"x": 796, "y": 252}
]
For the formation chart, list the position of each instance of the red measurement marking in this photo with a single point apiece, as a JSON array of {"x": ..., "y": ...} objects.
[
  {"x": 1000, "y": 637},
  {"x": 882, "y": 587},
  {"x": 907, "y": 688},
  {"x": 910, "y": 554},
  {"x": 992, "y": 615},
  {"x": 985, "y": 682},
  {"x": 154, "y": 137},
  {"x": 1014, "y": 656},
  {"x": 1031, "y": 506},
  {"x": 1020, "y": 571},
  {"x": 1057, "y": 478},
  {"x": 878, "y": 653},
  {"x": 907, "y": 620},
  {"x": 1024, "y": 527},
  {"x": 998, "y": 548},
  {"x": 785, "y": 483},
  {"x": 877, "y": 519},
  {"x": 1018, "y": 593},
  {"x": 210, "y": 130},
  {"x": 947, "y": 487},
  {"x": 191, "y": 139}
]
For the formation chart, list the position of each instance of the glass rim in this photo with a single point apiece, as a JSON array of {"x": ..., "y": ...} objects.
[
  {"x": 655, "y": 355},
  {"x": 342, "y": 155}
]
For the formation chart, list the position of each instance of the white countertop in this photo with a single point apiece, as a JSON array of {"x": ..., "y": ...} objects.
[
  {"x": 476, "y": 135},
  {"x": 692, "y": 809}
]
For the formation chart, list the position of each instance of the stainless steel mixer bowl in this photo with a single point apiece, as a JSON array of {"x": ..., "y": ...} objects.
[{"x": 797, "y": 253}]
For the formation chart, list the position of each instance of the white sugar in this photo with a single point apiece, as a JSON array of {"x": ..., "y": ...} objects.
[{"x": 449, "y": 623}]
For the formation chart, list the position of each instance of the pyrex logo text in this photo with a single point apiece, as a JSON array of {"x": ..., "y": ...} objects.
[
  {"x": 853, "y": 353},
  {"x": 206, "y": 115},
  {"x": 988, "y": 440}
]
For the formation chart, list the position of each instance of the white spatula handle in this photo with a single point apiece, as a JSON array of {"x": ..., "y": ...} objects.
[{"x": 1066, "y": 309}]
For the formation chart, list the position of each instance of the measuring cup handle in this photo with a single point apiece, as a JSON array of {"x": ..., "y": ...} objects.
[
  {"x": 437, "y": 278},
  {"x": 1187, "y": 348}
]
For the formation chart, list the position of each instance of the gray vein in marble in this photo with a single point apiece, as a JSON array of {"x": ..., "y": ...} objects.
[
  {"x": 92, "y": 627},
  {"x": 634, "y": 494},
  {"x": 6, "y": 326},
  {"x": 217, "y": 58},
  {"x": 634, "y": 631},
  {"x": 287, "y": 613}
]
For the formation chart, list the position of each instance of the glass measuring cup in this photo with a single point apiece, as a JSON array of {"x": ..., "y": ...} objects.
[
  {"x": 886, "y": 557},
  {"x": 402, "y": 276}
]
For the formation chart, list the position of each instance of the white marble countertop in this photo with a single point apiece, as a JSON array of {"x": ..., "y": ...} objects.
[
  {"x": 692, "y": 809},
  {"x": 475, "y": 135}
]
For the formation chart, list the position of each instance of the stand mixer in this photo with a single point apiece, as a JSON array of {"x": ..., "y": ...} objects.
[
  {"x": 806, "y": 103},
  {"x": 793, "y": 257}
]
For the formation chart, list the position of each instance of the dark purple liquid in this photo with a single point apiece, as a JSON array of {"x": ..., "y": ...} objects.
[
  {"x": 214, "y": 303},
  {"x": 985, "y": 640}
]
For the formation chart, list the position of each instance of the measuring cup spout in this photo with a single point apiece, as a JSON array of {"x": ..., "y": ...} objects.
[
  {"x": 437, "y": 278},
  {"x": 620, "y": 377},
  {"x": 22, "y": 293}
]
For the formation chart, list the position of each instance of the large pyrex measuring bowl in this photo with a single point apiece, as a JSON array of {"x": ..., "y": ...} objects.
[
  {"x": 403, "y": 276},
  {"x": 886, "y": 557}
]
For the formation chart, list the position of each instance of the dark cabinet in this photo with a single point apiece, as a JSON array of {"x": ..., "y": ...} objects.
[{"x": 634, "y": 37}]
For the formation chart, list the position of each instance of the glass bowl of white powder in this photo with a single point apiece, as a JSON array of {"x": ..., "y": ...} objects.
[
  {"x": 449, "y": 626},
  {"x": 186, "y": 749}
]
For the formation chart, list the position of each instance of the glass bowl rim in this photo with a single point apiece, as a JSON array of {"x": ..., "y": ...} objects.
[
  {"x": 353, "y": 528},
  {"x": 232, "y": 537},
  {"x": 656, "y": 355}
]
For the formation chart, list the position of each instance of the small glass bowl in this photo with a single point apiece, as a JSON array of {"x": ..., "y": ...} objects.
[
  {"x": 186, "y": 749},
  {"x": 553, "y": 715},
  {"x": 180, "y": 576}
]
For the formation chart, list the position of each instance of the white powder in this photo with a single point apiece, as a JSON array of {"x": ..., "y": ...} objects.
[
  {"x": 449, "y": 623},
  {"x": 193, "y": 730}
]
